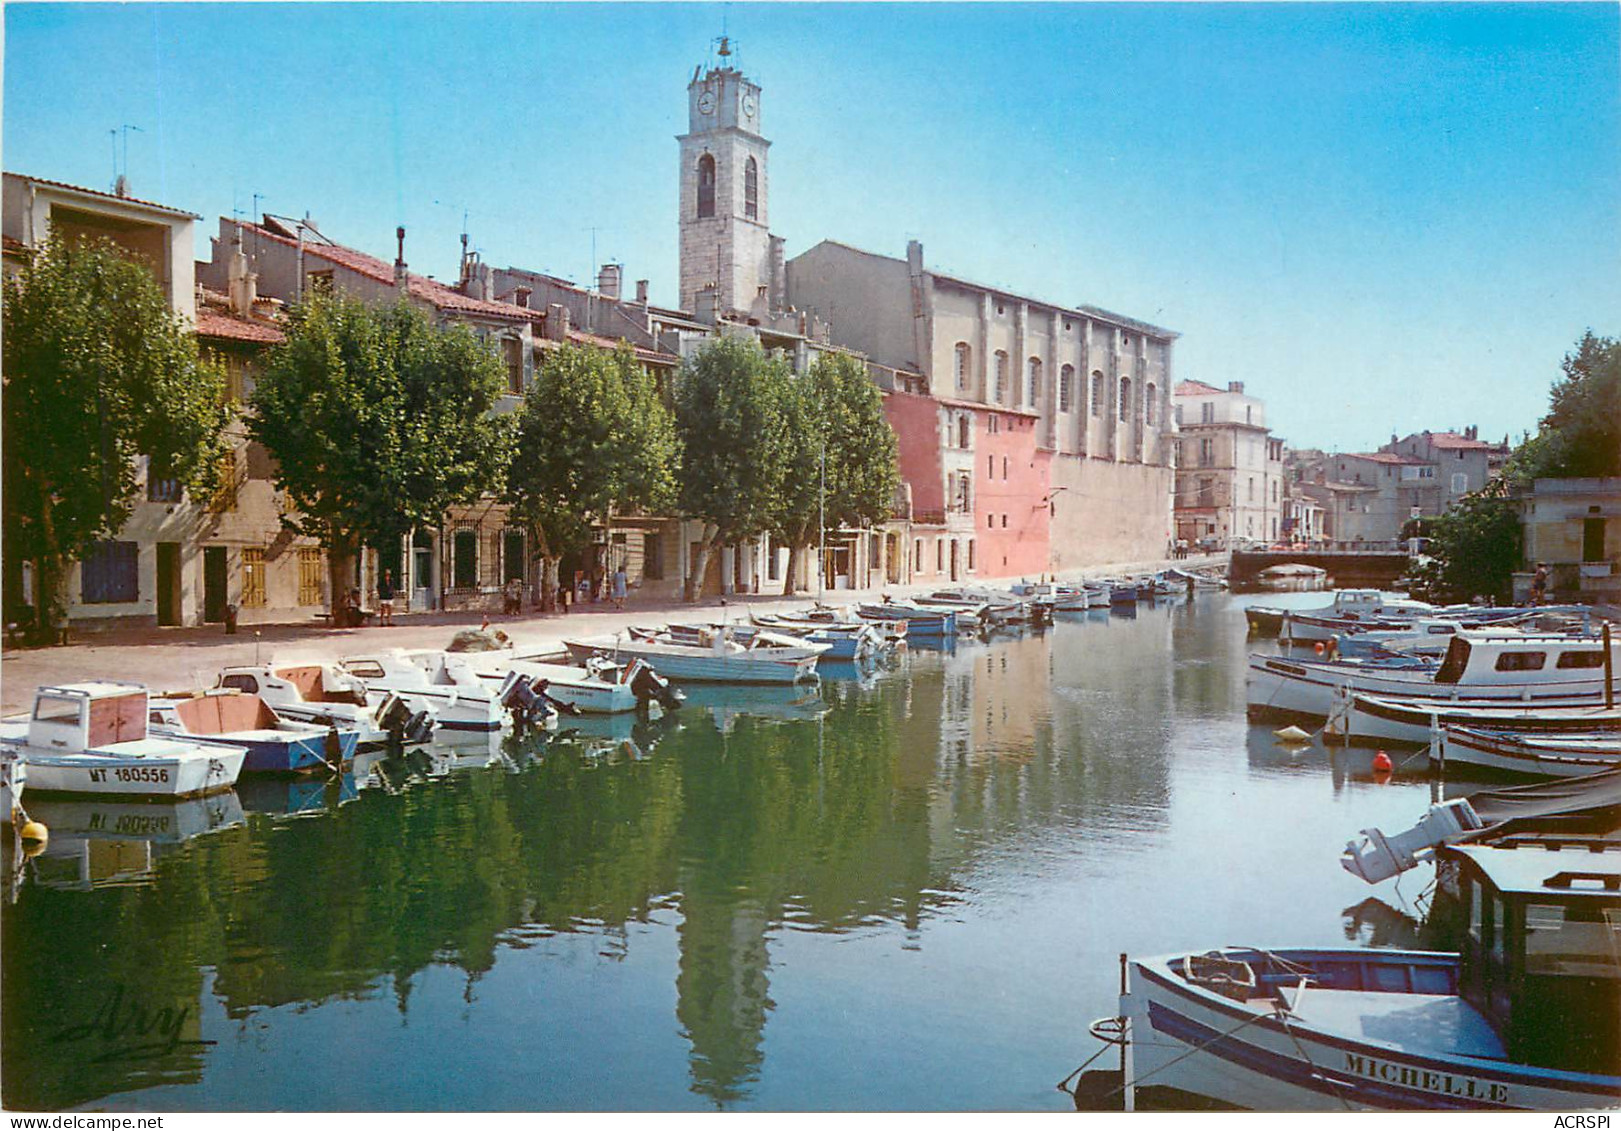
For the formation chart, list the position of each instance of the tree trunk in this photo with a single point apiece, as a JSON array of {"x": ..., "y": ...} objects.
[
  {"x": 51, "y": 607},
  {"x": 795, "y": 546},
  {"x": 340, "y": 571},
  {"x": 549, "y": 584},
  {"x": 695, "y": 580}
]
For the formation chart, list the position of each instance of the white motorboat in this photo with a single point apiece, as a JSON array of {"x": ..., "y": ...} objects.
[
  {"x": 428, "y": 679},
  {"x": 13, "y": 779},
  {"x": 1348, "y": 604},
  {"x": 92, "y": 737},
  {"x": 600, "y": 687},
  {"x": 321, "y": 693},
  {"x": 1478, "y": 665},
  {"x": 856, "y": 641},
  {"x": 716, "y": 658}
]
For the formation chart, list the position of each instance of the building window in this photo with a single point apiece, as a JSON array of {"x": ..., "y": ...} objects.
[
  {"x": 751, "y": 189},
  {"x": 1249, "y": 414},
  {"x": 160, "y": 486},
  {"x": 1207, "y": 494},
  {"x": 1004, "y": 467},
  {"x": 1176, "y": 414},
  {"x": 990, "y": 467},
  {"x": 309, "y": 576},
  {"x": 464, "y": 560},
  {"x": 965, "y": 358},
  {"x": 962, "y": 431},
  {"x": 1148, "y": 404},
  {"x": 1460, "y": 482},
  {"x": 319, "y": 282},
  {"x": 512, "y": 348},
  {"x": 706, "y": 187},
  {"x": 1097, "y": 392},
  {"x": 1125, "y": 398},
  {"x": 939, "y": 555},
  {"x": 1035, "y": 382},
  {"x": 1207, "y": 412},
  {"x": 1252, "y": 489},
  {"x": 1004, "y": 522},
  {"x": 990, "y": 521},
  {"x": 919, "y": 551},
  {"x": 970, "y": 553},
  {"x": 1001, "y": 376},
  {"x": 109, "y": 573},
  {"x": 1066, "y": 388},
  {"x": 512, "y": 556},
  {"x": 253, "y": 578}
]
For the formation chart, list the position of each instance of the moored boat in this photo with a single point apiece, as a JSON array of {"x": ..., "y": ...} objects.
[
  {"x": 1543, "y": 755},
  {"x": 715, "y": 657},
  {"x": 274, "y": 745},
  {"x": 1412, "y": 720},
  {"x": 919, "y": 621},
  {"x": 92, "y": 737},
  {"x": 320, "y": 693}
]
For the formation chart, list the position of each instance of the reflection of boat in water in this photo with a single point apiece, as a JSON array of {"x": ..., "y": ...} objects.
[
  {"x": 780, "y": 704},
  {"x": 312, "y": 795},
  {"x": 99, "y": 842}
]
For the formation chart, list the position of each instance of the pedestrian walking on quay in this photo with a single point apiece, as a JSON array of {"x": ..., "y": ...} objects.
[
  {"x": 621, "y": 583},
  {"x": 385, "y": 598}
]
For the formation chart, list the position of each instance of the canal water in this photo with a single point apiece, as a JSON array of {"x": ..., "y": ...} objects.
[{"x": 908, "y": 889}]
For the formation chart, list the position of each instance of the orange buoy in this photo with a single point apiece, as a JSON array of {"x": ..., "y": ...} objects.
[
  {"x": 1381, "y": 763},
  {"x": 1318, "y": 647}
]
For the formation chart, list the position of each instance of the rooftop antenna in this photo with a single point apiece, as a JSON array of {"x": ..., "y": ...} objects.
[{"x": 120, "y": 139}]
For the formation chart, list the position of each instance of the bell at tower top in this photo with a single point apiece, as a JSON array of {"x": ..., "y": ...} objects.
[{"x": 721, "y": 97}]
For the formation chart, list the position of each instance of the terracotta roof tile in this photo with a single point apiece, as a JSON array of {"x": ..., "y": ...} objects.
[
  {"x": 1452, "y": 440},
  {"x": 1194, "y": 389},
  {"x": 214, "y": 324}
]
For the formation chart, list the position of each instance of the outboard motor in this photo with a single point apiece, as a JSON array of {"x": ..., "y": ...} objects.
[
  {"x": 395, "y": 717},
  {"x": 541, "y": 686},
  {"x": 650, "y": 687},
  {"x": 332, "y": 747},
  {"x": 528, "y": 707}
]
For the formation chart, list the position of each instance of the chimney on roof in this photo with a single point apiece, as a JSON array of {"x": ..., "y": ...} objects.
[
  {"x": 242, "y": 284},
  {"x": 121, "y": 186},
  {"x": 609, "y": 280},
  {"x": 1235, "y": 386},
  {"x": 557, "y": 322},
  {"x": 707, "y": 305},
  {"x": 641, "y": 292},
  {"x": 401, "y": 276},
  {"x": 1474, "y": 432}
]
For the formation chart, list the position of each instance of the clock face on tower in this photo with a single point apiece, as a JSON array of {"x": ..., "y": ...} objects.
[
  {"x": 748, "y": 105},
  {"x": 706, "y": 103}
]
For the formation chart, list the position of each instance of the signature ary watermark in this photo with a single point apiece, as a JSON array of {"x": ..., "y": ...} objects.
[{"x": 126, "y": 1028}]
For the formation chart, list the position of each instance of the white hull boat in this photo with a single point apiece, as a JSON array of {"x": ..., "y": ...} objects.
[
  {"x": 319, "y": 693},
  {"x": 1332, "y": 1030},
  {"x": 441, "y": 683},
  {"x": 1478, "y": 666},
  {"x": 721, "y": 660},
  {"x": 1412, "y": 720},
  {"x": 1535, "y": 755},
  {"x": 91, "y": 737}
]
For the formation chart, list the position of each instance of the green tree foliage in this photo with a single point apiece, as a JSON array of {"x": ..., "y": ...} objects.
[
  {"x": 1581, "y": 435},
  {"x": 98, "y": 371},
  {"x": 593, "y": 437},
  {"x": 731, "y": 419},
  {"x": 378, "y": 421},
  {"x": 833, "y": 411},
  {"x": 1474, "y": 548}
]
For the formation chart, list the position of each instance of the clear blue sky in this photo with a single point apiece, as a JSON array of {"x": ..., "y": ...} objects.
[{"x": 1380, "y": 218}]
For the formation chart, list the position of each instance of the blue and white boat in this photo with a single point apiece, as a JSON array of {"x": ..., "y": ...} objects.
[
  {"x": 275, "y": 745},
  {"x": 919, "y": 621},
  {"x": 713, "y": 657}
]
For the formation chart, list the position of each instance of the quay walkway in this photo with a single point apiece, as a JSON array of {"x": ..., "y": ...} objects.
[{"x": 174, "y": 658}]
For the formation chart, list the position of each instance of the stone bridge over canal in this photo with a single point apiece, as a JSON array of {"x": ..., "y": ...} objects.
[{"x": 1371, "y": 566}]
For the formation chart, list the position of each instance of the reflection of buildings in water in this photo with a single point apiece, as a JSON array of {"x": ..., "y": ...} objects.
[{"x": 723, "y": 993}]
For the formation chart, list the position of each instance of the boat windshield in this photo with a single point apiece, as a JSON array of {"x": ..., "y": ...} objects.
[{"x": 1457, "y": 659}]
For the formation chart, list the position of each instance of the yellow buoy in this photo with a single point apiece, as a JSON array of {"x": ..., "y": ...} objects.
[
  {"x": 1291, "y": 734},
  {"x": 33, "y": 830}
]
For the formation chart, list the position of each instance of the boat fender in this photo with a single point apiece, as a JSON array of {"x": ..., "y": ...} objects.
[
  {"x": 1381, "y": 763},
  {"x": 1291, "y": 734},
  {"x": 1318, "y": 648},
  {"x": 35, "y": 833}
]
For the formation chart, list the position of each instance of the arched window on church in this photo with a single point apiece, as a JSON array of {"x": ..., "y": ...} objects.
[
  {"x": 1035, "y": 383},
  {"x": 751, "y": 189},
  {"x": 1001, "y": 376},
  {"x": 1097, "y": 392},
  {"x": 1148, "y": 404},
  {"x": 1125, "y": 398},
  {"x": 965, "y": 357},
  {"x": 706, "y": 187},
  {"x": 962, "y": 430},
  {"x": 1066, "y": 388}
]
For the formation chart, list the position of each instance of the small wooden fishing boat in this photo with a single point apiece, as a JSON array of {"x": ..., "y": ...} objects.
[
  {"x": 919, "y": 621},
  {"x": 1535, "y": 754},
  {"x": 274, "y": 745}
]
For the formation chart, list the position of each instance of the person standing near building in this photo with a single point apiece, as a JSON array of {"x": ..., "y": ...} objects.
[
  {"x": 1539, "y": 585},
  {"x": 621, "y": 583},
  {"x": 385, "y": 598}
]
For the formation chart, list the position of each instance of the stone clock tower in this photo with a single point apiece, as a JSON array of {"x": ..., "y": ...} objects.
[{"x": 725, "y": 240}]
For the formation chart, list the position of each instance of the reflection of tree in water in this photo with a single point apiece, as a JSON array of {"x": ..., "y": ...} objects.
[{"x": 867, "y": 816}]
